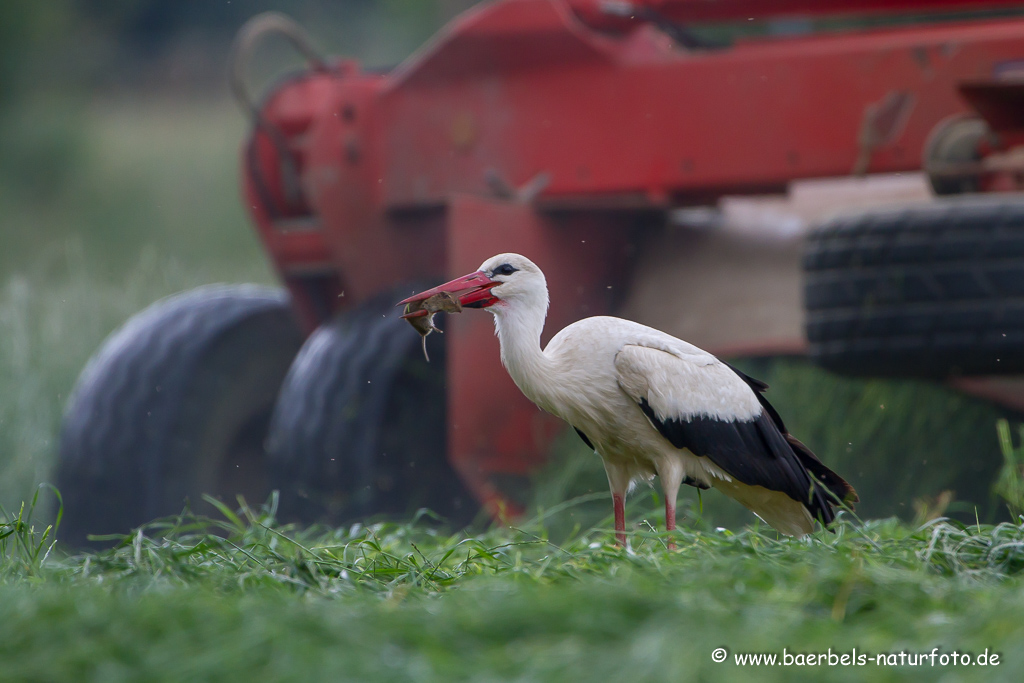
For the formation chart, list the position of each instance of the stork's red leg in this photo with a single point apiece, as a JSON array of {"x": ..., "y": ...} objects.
[
  {"x": 620, "y": 518},
  {"x": 671, "y": 474},
  {"x": 618, "y": 481},
  {"x": 670, "y": 514},
  {"x": 670, "y": 517}
]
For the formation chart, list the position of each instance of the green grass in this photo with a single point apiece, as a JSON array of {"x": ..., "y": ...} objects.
[{"x": 239, "y": 597}]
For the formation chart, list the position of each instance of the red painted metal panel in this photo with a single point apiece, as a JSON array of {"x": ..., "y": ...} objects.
[
  {"x": 521, "y": 87},
  {"x": 669, "y": 123},
  {"x": 598, "y": 13}
]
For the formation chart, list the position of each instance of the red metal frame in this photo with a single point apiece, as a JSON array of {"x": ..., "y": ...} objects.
[
  {"x": 598, "y": 14},
  {"x": 412, "y": 174}
]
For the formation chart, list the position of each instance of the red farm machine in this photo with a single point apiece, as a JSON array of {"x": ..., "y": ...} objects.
[{"x": 581, "y": 133}]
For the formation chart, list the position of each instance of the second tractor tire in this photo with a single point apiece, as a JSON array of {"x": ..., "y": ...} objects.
[{"x": 360, "y": 425}]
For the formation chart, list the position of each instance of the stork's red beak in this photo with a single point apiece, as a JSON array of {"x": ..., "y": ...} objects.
[{"x": 472, "y": 291}]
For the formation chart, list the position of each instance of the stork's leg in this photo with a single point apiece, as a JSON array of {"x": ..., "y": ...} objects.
[
  {"x": 618, "y": 481},
  {"x": 619, "y": 505},
  {"x": 670, "y": 472}
]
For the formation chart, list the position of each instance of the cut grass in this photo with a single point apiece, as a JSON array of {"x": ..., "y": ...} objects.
[{"x": 191, "y": 598}]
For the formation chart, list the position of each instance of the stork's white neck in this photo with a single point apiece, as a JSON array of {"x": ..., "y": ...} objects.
[{"x": 518, "y": 328}]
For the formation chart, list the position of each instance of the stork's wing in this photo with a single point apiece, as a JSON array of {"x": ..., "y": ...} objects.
[
  {"x": 839, "y": 487},
  {"x": 701, "y": 404}
]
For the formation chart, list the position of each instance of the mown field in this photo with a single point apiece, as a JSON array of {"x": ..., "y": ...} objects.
[
  {"x": 147, "y": 205},
  {"x": 241, "y": 599}
]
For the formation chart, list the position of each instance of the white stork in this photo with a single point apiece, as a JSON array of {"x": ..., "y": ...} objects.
[{"x": 650, "y": 404}]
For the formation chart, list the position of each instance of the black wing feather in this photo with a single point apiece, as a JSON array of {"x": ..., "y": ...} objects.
[
  {"x": 838, "y": 486},
  {"x": 753, "y": 452},
  {"x": 584, "y": 437}
]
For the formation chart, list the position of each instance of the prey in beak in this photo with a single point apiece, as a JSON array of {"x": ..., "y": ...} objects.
[
  {"x": 469, "y": 291},
  {"x": 420, "y": 314}
]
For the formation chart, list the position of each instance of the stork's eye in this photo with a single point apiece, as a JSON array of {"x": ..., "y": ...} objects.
[{"x": 504, "y": 269}]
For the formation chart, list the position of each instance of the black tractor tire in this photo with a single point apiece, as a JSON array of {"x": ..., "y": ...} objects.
[
  {"x": 360, "y": 426},
  {"x": 933, "y": 290},
  {"x": 175, "y": 404}
]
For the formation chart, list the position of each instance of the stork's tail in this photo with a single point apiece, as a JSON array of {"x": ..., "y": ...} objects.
[{"x": 839, "y": 491}]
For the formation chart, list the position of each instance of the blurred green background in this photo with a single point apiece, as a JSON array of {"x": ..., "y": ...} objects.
[{"x": 119, "y": 185}]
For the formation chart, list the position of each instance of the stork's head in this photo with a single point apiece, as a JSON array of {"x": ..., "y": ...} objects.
[{"x": 502, "y": 283}]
